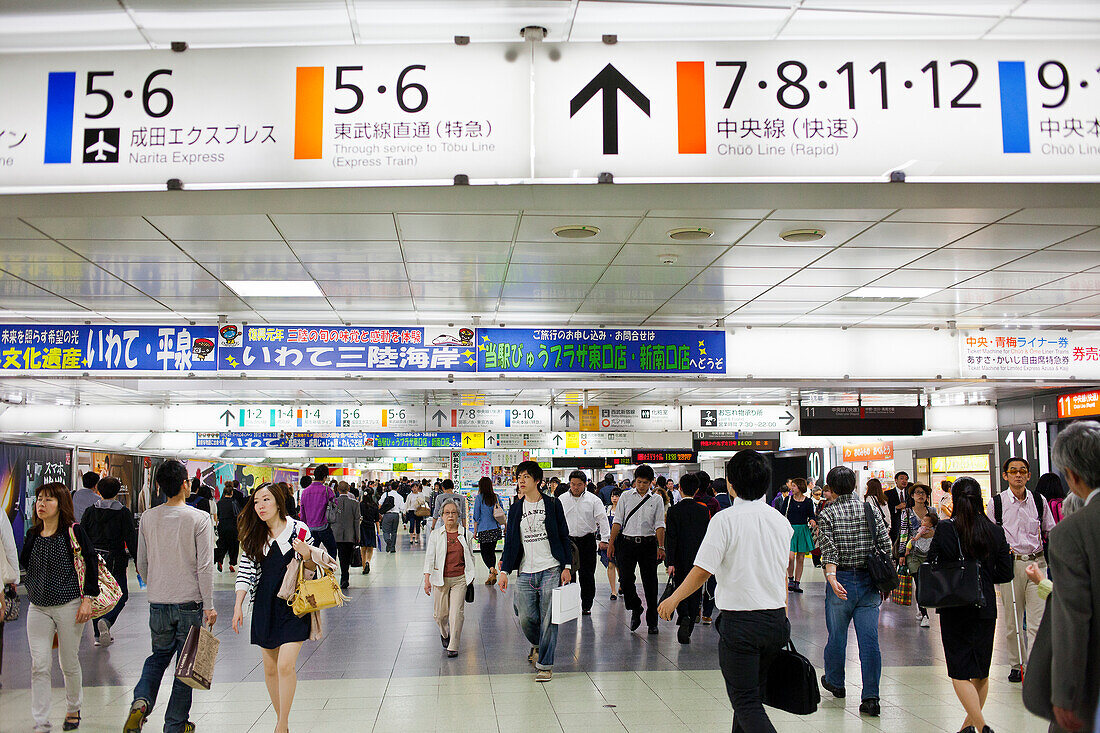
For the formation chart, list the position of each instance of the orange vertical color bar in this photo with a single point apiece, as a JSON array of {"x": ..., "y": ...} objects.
[
  {"x": 308, "y": 112},
  {"x": 384, "y": 416},
  {"x": 690, "y": 107}
]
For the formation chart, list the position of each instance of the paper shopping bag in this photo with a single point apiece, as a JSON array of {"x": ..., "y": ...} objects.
[
  {"x": 565, "y": 603},
  {"x": 196, "y": 664}
]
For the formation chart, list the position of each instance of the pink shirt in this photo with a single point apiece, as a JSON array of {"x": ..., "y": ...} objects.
[{"x": 1021, "y": 522}]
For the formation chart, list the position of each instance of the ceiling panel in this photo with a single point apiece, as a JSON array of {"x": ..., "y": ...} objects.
[
  {"x": 176, "y": 271},
  {"x": 852, "y": 308},
  {"x": 1012, "y": 280},
  {"x": 127, "y": 250},
  {"x": 750, "y": 256},
  {"x": 524, "y": 272},
  {"x": 232, "y": 227},
  {"x": 859, "y": 215},
  {"x": 365, "y": 288},
  {"x": 346, "y": 251},
  {"x": 966, "y": 259},
  {"x": 13, "y": 228},
  {"x": 967, "y": 296},
  {"x": 648, "y": 277},
  {"x": 713, "y": 309},
  {"x": 588, "y": 253},
  {"x": 1017, "y": 236},
  {"x": 912, "y": 277},
  {"x": 1089, "y": 216},
  {"x": 461, "y": 305},
  {"x": 836, "y": 232},
  {"x": 1054, "y": 261},
  {"x": 1024, "y": 28},
  {"x": 760, "y": 307},
  {"x": 35, "y": 251},
  {"x": 824, "y": 276},
  {"x": 930, "y": 310},
  {"x": 314, "y": 227},
  {"x": 687, "y": 255},
  {"x": 1039, "y": 297},
  {"x": 804, "y": 292},
  {"x": 879, "y": 258},
  {"x": 355, "y": 271},
  {"x": 466, "y": 289},
  {"x": 260, "y": 270},
  {"x": 457, "y": 227},
  {"x": 543, "y": 291},
  {"x": 471, "y": 252},
  {"x": 539, "y": 228},
  {"x": 96, "y": 227},
  {"x": 724, "y": 293},
  {"x": 210, "y": 288},
  {"x": 1087, "y": 242},
  {"x": 74, "y": 270},
  {"x": 928, "y": 235},
  {"x": 452, "y": 271},
  {"x": 654, "y": 229},
  {"x": 963, "y": 216},
  {"x": 207, "y": 251},
  {"x": 12, "y": 287},
  {"x": 833, "y": 25},
  {"x": 533, "y": 305},
  {"x": 644, "y": 21},
  {"x": 744, "y": 275},
  {"x": 1087, "y": 283}
]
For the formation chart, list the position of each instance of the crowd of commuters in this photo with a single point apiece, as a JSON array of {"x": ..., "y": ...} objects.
[{"x": 725, "y": 547}]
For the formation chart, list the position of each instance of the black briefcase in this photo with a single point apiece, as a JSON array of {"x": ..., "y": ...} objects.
[{"x": 792, "y": 683}]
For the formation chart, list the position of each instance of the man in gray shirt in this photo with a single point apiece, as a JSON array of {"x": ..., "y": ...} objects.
[
  {"x": 176, "y": 559},
  {"x": 84, "y": 498},
  {"x": 448, "y": 495}
]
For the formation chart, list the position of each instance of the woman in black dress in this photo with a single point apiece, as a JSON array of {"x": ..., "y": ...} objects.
[
  {"x": 269, "y": 541},
  {"x": 968, "y": 631},
  {"x": 368, "y": 526}
]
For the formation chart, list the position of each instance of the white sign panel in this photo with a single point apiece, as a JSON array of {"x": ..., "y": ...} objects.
[
  {"x": 515, "y": 440},
  {"x": 760, "y": 418},
  {"x": 505, "y": 418},
  {"x": 1029, "y": 354},
  {"x": 817, "y": 110},
  {"x": 374, "y": 418},
  {"x": 651, "y": 418},
  {"x": 399, "y": 113}
]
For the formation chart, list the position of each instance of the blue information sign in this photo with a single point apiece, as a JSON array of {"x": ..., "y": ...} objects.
[
  {"x": 107, "y": 348},
  {"x": 345, "y": 349},
  {"x": 601, "y": 350},
  {"x": 325, "y": 441}
]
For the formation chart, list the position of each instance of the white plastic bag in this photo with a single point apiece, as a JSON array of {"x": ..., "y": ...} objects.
[{"x": 565, "y": 603}]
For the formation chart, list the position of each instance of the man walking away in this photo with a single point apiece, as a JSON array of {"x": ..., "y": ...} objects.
[
  {"x": 1026, "y": 518},
  {"x": 176, "y": 558},
  {"x": 745, "y": 548},
  {"x": 685, "y": 527},
  {"x": 391, "y": 508},
  {"x": 638, "y": 541},
  {"x": 846, "y": 541},
  {"x": 228, "y": 507},
  {"x": 314, "y": 507},
  {"x": 346, "y": 529},
  {"x": 585, "y": 515},
  {"x": 113, "y": 533}
]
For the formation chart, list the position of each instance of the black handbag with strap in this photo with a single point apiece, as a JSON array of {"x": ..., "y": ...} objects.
[
  {"x": 950, "y": 583},
  {"x": 880, "y": 566},
  {"x": 792, "y": 683}
]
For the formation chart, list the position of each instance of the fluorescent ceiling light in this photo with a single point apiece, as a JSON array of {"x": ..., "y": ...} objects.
[
  {"x": 873, "y": 293},
  {"x": 275, "y": 288}
]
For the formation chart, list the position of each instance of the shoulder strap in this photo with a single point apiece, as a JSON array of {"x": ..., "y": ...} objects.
[
  {"x": 1038, "y": 508},
  {"x": 997, "y": 509},
  {"x": 631, "y": 514}
]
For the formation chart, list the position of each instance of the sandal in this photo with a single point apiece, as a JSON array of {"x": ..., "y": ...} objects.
[{"x": 72, "y": 721}]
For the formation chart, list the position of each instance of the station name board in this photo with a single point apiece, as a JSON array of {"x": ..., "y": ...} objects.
[{"x": 663, "y": 456}]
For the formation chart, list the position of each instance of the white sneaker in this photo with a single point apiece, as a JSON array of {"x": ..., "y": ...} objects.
[
  {"x": 924, "y": 622},
  {"x": 105, "y": 638}
]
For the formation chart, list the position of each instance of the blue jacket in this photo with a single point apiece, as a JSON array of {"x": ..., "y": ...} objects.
[
  {"x": 557, "y": 532},
  {"x": 483, "y": 516},
  {"x": 605, "y": 494}
]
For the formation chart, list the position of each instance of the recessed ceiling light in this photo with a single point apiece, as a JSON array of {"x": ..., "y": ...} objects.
[
  {"x": 802, "y": 235},
  {"x": 890, "y": 294},
  {"x": 690, "y": 234},
  {"x": 576, "y": 231},
  {"x": 275, "y": 288}
]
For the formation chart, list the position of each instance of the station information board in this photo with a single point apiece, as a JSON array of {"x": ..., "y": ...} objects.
[
  {"x": 1082, "y": 404},
  {"x": 663, "y": 456},
  {"x": 861, "y": 420},
  {"x": 710, "y": 443}
]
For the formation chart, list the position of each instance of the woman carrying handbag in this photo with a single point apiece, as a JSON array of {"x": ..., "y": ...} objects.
[
  {"x": 270, "y": 540},
  {"x": 449, "y": 575},
  {"x": 488, "y": 518},
  {"x": 969, "y": 538}
]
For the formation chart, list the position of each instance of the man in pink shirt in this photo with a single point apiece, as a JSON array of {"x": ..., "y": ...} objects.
[
  {"x": 1026, "y": 519},
  {"x": 314, "y": 507}
]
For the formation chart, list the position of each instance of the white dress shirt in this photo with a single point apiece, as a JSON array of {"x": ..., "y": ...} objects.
[
  {"x": 746, "y": 548},
  {"x": 584, "y": 514},
  {"x": 646, "y": 521}
]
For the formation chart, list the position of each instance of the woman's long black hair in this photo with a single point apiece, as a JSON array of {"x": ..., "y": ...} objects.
[
  {"x": 974, "y": 528},
  {"x": 485, "y": 488}
]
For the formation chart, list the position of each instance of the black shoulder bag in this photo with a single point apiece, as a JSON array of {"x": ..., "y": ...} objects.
[
  {"x": 880, "y": 566},
  {"x": 951, "y": 583},
  {"x": 792, "y": 683}
]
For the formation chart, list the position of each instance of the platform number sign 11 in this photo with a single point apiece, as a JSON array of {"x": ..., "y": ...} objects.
[{"x": 1018, "y": 441}]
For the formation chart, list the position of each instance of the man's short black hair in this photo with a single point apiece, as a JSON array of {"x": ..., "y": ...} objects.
[
  {"x": 609, "y": 478},
  {"x": 320, "y": 473},
  {"x": 644, "y": 472},
  {"x": 689, "y": 484},
  {"x": 578, "y": 474},
  {"x": 749, "y": 474},
  {"x": 842, "y": 480},
  {"x": 108, "y": 487},
  {"x": 662, "y": 482},
  {"x": 305, "y": 481},
  {"x": 448, "y": 486},
  {"x": 170, "y": 477},
  {"x": 896, "y": 476},
  {"x": 1009, "y": 461},
  {"x": 531, "y": 468},
  {"x": 90, "y": 479},
  {"x": 704, "y": 479}
]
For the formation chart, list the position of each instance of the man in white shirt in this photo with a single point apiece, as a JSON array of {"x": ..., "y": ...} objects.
[
  {"x": 746, "y": 549},
  {"x": 585, "y": 515},
  {"x": 638, "y": 541},
  {"x": 390, "y": 509}
]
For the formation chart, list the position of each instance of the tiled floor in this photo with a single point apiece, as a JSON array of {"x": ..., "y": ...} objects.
[{"x": 380, "y": 668}]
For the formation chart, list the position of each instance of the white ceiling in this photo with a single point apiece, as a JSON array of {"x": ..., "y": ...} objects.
[{"x": 69, "y": 25}]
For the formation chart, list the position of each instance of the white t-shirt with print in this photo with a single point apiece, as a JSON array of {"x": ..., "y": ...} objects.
[{"x": 537, "y": 555}]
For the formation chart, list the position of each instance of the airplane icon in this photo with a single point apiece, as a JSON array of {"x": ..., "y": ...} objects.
[{"x": 101, "y": 145}]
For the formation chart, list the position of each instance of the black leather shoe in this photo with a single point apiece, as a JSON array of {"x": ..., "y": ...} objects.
[
  {"x": 445, "y": 640},
  {"x": 586, "y": 612},
  {"x": 986, "y": 729},
  {"x": 837, "y": 691},
  {"x": 1015, "y": 675},
  {"x": 683, "y": 634},
  {"x": 635, "y": 619},
  {"x": 451, "y": 654},
  {"x": 869, "y": 707}
]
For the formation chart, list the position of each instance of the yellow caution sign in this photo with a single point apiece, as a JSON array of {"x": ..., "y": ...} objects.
[
  {"x": 473, "y": 441},
  {"x": 572, "y": 440}
]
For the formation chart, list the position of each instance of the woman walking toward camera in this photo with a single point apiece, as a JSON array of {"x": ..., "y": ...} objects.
[
  {"x": 448, "y": 570},
  {"x": 61, "y": 602},
  {"x": 269, "y": 541}
]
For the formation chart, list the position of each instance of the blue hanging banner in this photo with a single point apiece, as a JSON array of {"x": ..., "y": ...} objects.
[
  {"x": 344, "y": 349},
  {"x": 107, "y": 348},
  {"x": 324, "y": 441},
  {"x": 601, "y": 351}
]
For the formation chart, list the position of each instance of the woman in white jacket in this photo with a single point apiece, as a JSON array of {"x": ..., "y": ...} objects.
[
  {"x": 9, "y": 572},
  {"x": 448, "y": 569}
]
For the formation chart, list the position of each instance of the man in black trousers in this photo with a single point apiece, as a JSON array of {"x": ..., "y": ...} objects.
[
  {"x": 638, "y": 541},
  {"x": 685, "y": 527}
]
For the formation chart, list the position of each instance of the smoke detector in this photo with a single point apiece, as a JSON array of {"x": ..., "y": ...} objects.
[
  {"x": 576, "y": 231},
  {"x": 802, "y": 235},
  {"x": 667, "y": 259},
  {"x": 690, "y": 234}
]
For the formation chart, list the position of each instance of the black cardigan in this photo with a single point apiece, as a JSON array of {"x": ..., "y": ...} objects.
[
  {"x": 91, "y": 560},
  {"x": 557, "y": 532}
]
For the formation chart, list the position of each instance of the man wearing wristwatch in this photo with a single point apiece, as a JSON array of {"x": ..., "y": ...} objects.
[{"x": 638, "y": 540}]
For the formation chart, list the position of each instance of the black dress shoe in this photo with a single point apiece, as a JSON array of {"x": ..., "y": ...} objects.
[
  {"x": 869, "y": 707},
  {"x": 683, "y": 634},
  {"x": 586, "y": 612},
  {"x": 635, "y": 619},
  {"x": 1015, "y": 675},
  {"x": 451, "y": 654},
  {"x": 446, "y": 640},
  {"x": 837, "y": 691}
]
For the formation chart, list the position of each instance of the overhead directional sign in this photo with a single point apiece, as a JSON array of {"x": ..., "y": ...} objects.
[
  {"x": 315, "y": 441},
  {"x": 651, "y": 417},
  {"x": 760, "y": 418},
  {"x": 609, "y": 82},
  {"x": 505, "y": 418},
  {"x": 575, "y": 417},
  {"x": 515, "y": 440},
  {"x": 395, "y": 418}
]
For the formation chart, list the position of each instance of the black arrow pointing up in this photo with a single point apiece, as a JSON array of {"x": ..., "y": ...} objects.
[
  {"x": 567, "y": 416},
  {"x": 439, "y": 417},
  {"x": 467, "y": 440},
  {"x": 227, "y": 416},
  {"x": 790, "y": 417},
  {"x": 609, "y": 81},
  {"x": 557, "y": 439}
]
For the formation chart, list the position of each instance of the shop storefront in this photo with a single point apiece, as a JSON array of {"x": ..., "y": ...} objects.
[{"x": 937, "y": 465}]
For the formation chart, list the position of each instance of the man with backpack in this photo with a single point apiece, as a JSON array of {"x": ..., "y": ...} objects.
[{"x": 1026, "y": 520}]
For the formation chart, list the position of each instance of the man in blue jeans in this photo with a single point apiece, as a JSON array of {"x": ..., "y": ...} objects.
[
  {"x": 176, "y": 559},
  {"x": 537, "y": 544},
  {"x": 850, "y": 596}
]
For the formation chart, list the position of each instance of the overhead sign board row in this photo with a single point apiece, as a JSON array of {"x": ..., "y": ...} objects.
[
  {"x": 318, "y": 441},
  {"x": 748, "y": 418},
  {"x": 1082, "y": 404},
  {"x": 643, "y": 111}
]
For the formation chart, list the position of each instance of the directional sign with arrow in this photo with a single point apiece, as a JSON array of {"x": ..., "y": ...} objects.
[
  {"x": 771, "y": 418},
  {"x": 228, "y": 416},
  {"x": 439, "y": 416},
  {"x": 609, "y": 82}
]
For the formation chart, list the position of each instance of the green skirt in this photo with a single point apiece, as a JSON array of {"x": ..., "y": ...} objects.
[{"x": 803, "y": 539}]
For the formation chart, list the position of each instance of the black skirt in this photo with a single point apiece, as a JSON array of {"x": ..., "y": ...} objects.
[
  {"x": 967, "y": 646},
  {"x": 273, "y": 623}
]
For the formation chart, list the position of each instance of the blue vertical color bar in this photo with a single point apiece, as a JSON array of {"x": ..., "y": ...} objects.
[
  {"x": 1014, "y": 106},
  {"x": 339, "y": 416},
  {"x": 507, "y": 418},
  {"x": 60, "y": 98}
]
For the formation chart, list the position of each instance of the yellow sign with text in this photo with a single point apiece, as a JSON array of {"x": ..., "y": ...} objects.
[
  {"x": 590, "y": 419},
  {"x": 473, "y": 441},
  {"x": 572, "y": 440}
]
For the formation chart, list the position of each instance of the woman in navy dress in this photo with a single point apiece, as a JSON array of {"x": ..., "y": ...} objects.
[{"x": 269, "y": 541}]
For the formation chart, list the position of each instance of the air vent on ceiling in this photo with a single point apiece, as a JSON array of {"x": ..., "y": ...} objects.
[
  {"x": 576, "y": 231},
  {"x": 690, "y": 234}
]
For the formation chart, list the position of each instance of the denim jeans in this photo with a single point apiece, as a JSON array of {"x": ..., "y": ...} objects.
[
  {"x": 862, "y": 607},
  {"x": 532, "y": 600},
  {"x": 168, "y": 627},
  {"x": 390, "y": 520}
]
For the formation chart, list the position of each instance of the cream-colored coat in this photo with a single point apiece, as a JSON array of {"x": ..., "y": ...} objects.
[{"x": 435, "y": 555}]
